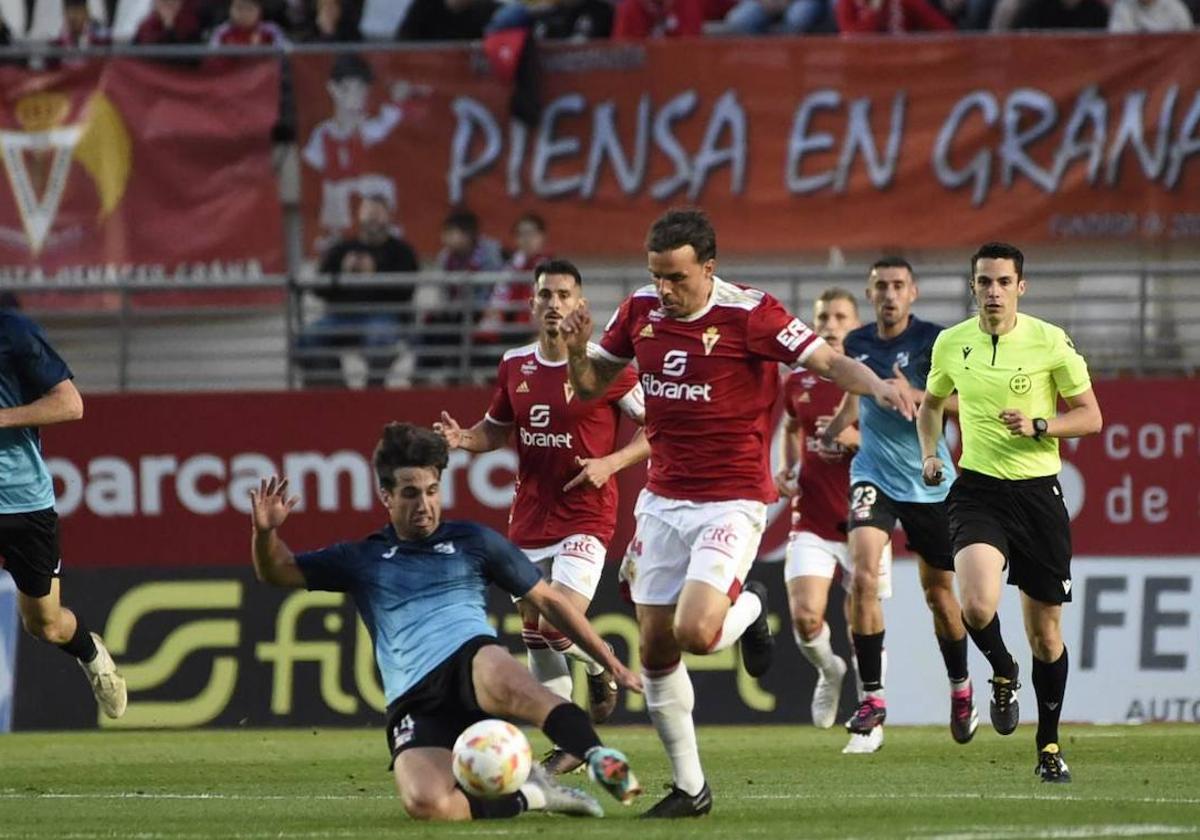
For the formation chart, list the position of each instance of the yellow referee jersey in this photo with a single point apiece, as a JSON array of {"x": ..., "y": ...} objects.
[{"x": 1027, "y": 369}]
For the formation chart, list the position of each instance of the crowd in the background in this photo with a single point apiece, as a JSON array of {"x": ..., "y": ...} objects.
[{"x": 69, "y": 23}]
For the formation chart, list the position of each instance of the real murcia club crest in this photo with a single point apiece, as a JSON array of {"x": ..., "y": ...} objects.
[
  {"x": 38, "y": 157},
  {"x": 710, "y": 338}
]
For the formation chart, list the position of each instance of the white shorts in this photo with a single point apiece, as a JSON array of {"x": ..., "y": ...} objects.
[
  {"x": 808, "y": 554},
  {"x": 677, "y": 540},
  {"x": 576, "y": 562}
]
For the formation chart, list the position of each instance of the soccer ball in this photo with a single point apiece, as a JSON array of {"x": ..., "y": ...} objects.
[{"x": 491, "y": 758}]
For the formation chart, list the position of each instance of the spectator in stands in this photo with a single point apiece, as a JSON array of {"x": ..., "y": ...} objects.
[
  {"x": 330, "y": 22},
  {"x": 361, "y": 316},
  {"x": 246, "y": 27},
  {"x": 578, "y": 20},
  {"x": 169, "y": 22},
  {"x": 80, "y": 29},
  {"x": 641, "y": 19},
  {"x": 508, "y": 307},
  {"x": 792, "y": 17},
  {"x": 1149, "y": 16},
  {"x": 967, "y": 15},
  {"x": 446, "y": 20},
  {"x": 1061, "y": 14},
  {"x": 859, "y": 16},
  {"x": 464, "y": 249}
]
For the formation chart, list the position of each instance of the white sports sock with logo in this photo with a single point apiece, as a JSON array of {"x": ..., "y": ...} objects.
[
  {"x": 741, "y": 615},
  {"x": 670, "y": 700},
  {"x": 550, "y": 668},
  {"x": 816, "y": 650},
  {"x": 580, "y": 655}
]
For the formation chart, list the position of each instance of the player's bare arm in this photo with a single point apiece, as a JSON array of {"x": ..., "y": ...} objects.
[
  {"x": 929, "y": 430},
  {"x": 60, "y": 404},
  {"x": 484, "y": 436},
  {"x": 856, "y": 378},
  {"x": 596, "y": 472},
  {"x": 841, "y": 423},
  {"x": 274, "y": 562},
  {"x": 791, "y": 445},
  {"x": 590, "y": 377},
  {"x": 563, "y": 614},
  {"x": 951, "y": 403},
  {"x": 1081, "y": 418}
]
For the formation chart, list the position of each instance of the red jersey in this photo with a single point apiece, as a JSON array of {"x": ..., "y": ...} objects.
[
  {"x": 821, "y": 507},
  {"x": 553, "y": 426},
  {"x": 710, "y": 383}
]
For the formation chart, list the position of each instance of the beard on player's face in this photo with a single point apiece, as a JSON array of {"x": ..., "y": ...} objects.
[{"x": 683, "y": 283}]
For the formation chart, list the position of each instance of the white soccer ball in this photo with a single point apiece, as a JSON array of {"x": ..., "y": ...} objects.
[{"x": 491, "y": 758}]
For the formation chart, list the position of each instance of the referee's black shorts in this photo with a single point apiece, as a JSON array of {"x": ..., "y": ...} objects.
[{"x": 1026, "y": 520}]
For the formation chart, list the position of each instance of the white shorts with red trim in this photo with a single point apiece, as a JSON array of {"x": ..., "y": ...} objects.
[
  {"x": 678, "y": 540},
  {"x": 808, "y": 554},
  {"x": 576, "y": 562}
]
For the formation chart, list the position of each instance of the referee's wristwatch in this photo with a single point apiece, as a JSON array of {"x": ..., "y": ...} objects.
[{"x": 1039, "y": 427}]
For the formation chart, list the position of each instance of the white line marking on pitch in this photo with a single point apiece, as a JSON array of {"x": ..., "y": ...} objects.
[
  {"x": 1081, "y": 831},
  {"x": 11, "y": 794},
  {"x": 1021, "y": 797}
]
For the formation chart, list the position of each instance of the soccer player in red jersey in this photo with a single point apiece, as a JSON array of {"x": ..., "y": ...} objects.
[
  {"x": 707, "y": 353},
  {"x": 565, "y": 508},
  {"x": 817, "y": 478}
]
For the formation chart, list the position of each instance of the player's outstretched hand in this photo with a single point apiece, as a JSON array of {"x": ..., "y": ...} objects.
[
  {"x": 576, "y": 328},
  {"x": 626, "y": 678},
  {"x": 595, "y": 473},
  {"x": 931, "y": 472},
  {"x": 450, "y": 430},
  {"x": 894, "y": 396},
  {"x": 1018, "y": 424},
  {"x": 270, "y": 505}
]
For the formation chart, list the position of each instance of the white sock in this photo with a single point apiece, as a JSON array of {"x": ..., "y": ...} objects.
[
  {"x": 549, "y": 667},
  {"x": 580, "y": 655},
  {"x": 816, "y": 650},
  {"x": 740, "y": 616},
  {"x": 670, "y": 699},
  {"x": 535, "y": 797}
]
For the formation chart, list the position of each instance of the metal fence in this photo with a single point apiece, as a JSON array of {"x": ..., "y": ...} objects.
[{"x": 1127, "y": 319}]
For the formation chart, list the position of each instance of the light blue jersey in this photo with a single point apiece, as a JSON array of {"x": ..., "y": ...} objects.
[
  {"x": 889, "y": 454},
  {"x": 421, "y": 600},
  {"x": 29, "y": 368}
]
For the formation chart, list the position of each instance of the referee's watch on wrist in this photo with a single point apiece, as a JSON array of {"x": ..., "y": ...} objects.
[{"x": 1039, "y": 427}]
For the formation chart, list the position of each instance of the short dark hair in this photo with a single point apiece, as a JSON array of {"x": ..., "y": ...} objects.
[
  {"x": 837, "y": 293},
  {"x": 999, "y": 251},
  {"x": 557, "y": 267},
  {"x": 405, "y": 445},
  {"x": 892, "y": 261},
  {"x": 682, "y": 226},
  {"x": 533, "y": 218},
  {"x": 351, "y": 65},
  {"x": 464, "y": 220}
]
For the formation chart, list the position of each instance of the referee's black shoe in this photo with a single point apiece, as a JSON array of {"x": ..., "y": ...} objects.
[
  {"x": 677, "y": 804},
  {"x": 1006, "y": 713},
  {"x": 758, "y": 646},
  {"x": 1051, "y": 766}
]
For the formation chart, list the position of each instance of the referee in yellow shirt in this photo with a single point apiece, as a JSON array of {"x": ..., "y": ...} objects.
[{"x": 1006, "y": 508}]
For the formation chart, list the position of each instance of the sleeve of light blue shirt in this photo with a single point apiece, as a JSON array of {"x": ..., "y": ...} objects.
[
  {"x": 506, "y": 565},
  {"x": 328, "y": 569}
]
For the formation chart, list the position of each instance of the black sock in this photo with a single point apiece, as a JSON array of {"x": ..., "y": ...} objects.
[
  {"x": 570, "y": 727},
  {"x": 954, "y": 654},
  {"x": 868, "y": 651},
  {"x": 497, "y": 809},
  {"x": 1049, "y": 685},
  {"x": 991, "y": 644},
  {"x": 81, "y": 645}
]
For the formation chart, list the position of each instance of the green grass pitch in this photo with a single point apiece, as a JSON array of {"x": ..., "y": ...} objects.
[{"x": 769, "y": 781}]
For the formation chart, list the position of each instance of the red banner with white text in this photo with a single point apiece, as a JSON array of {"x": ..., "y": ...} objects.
[
  {"x": 162, "y": 480},
  {"x": 790, "y": 144},
  {"x": 142, "y": 172}
]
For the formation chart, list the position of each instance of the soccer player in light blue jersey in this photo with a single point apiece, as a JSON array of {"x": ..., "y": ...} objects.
[
  {"x": 884, "y": 489},
  {"x": 419, "y": 584},
  {"x": 36, "y": 390}
]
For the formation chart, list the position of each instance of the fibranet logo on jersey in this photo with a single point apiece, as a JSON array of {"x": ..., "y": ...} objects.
[
  {"x": 546, "y": 440},
  {"x": 690, "y": 392}
]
